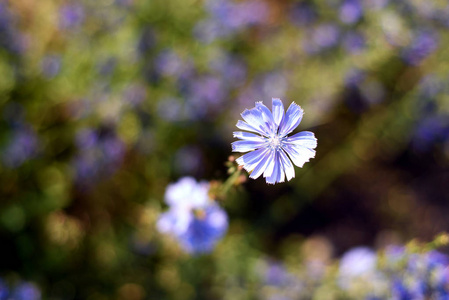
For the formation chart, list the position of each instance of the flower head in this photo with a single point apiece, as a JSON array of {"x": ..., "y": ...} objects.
[
  {"x": 194, "y": 219},
  {"x": 269, "y": 143}
]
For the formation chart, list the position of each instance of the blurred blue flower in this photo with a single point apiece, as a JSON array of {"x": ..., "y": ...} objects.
[
  {"x": 71, "y": 16},
  {"x": 99, "y": 155},
  {"x": 193, "y": 218},
  {"x": 430, "y": 131},
  {"x": 23, "y": 145},
  {"x": 227, "y": 17},
  {"x": 269, "y": 143},
  {"x": 10, "y": 37},
  {"x": 277, "y": 275},
  {"x": 204, "y": 94},
  {"x": 187, "y": 193},
  {"x": 204, "y": 230},
  {"x": 169, "y": 64},
  {"x": 4, "y": 290},
  {"x": 354, "y": 42},
  {"x": 237, "y": 15},
  {"x": 423, "y": 44},
  {"x": 209, "y": 30},
  {"x": 231, "y": 69},
  {"x": 399, "y": 291},
  {"x": 350, "y": 11},
  {"x": 321, "y": 37},
  {"x": 357, "y": 262},
  {"x": 278, "y": 283},
  {"x": 26, "y": 291}
]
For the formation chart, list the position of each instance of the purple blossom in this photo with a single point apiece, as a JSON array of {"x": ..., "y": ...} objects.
[
  {"x": 268, "y": 144},
  {"x": 10, "y": 37},
  {"x": 204, "y": 96},
  {"x": 326, "y": 36},
  {"x": 354, "y": 42},
  {"x": 209, "y": 30},
  {"x": 422, "y": 45},
  {"x": 71, "y": 16},
  {"x": 4, "y": 290},
  {"x": 238, "y": 15},
  {"x": 350, "y": 11},
  {"x": 227, "y": 17},
  {"x": 99, "y": 155},
  {"x": 26, "y": 291},
  {"x": 277, "y": 275},
  {"x": 169, "y": 64},
  {"x": 231, "y": 69},
  {"x": 430, "y": 131},
  {"x": 23, "y": 145},
  {"x": 320, "y": 38}
]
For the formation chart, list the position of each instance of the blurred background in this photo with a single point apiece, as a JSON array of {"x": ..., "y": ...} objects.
[{"x": 104, "y": 103}]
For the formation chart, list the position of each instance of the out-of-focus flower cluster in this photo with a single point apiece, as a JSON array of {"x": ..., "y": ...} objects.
[
  {"x": 361, "y": 273},
  {"x": 20, "y": 291}
]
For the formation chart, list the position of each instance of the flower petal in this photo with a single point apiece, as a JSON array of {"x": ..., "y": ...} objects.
[
  {"x": 270, "y": 168},
  {"x": 255, "y": 119},
  {"x": 287, "y": 165},
  {"x": 278, "y": 171},
  {"x": 278, "y": 111},
  {"x": 175, "y": 221},
  {"x": 304, "y": 138},
  {"x": 262, "y": 165},
  {"x": 267, "y": 117},
  {"x": 299, "y": 155},
  {"x": 251, "y": 159},
  {"x": 245, "y": 126},
  {"x": 245, "y": 146},
  {"x": 292, "y": 118},
  {"x": 248, "y": 136}
]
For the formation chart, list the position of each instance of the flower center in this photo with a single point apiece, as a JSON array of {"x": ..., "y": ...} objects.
[{"x": 275, "y": 142}]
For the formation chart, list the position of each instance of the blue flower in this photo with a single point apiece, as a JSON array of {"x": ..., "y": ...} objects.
[
  {"x": 4, "y": 290},
  {"x": 204, "y": 230},
  {"x": 193, "y": 219},
  {"x": 351, "y": 11},
  {"x": 269, "y": 144},
  {"x": 71, "y": 16},
  {"x": 424, "y": 43},
  {"x": 26, "y": 291},
  {"x": 357, "y": 262}
]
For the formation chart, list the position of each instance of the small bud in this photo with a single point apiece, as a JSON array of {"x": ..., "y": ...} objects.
[
  {"x": 242, "y": 178},
  {"x": 231, "y": 158}
]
